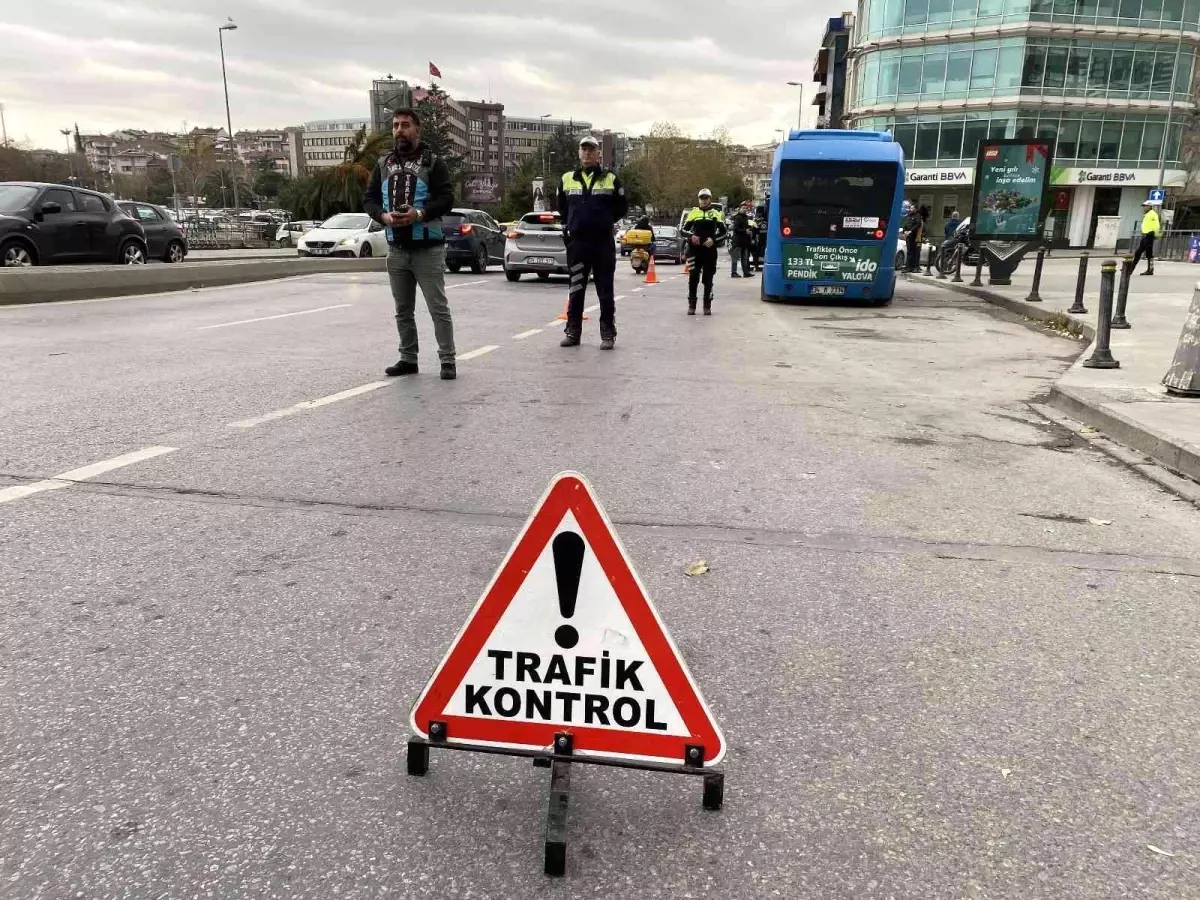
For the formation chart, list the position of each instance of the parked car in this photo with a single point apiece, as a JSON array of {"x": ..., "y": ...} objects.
[
  {"x": 536, "y": 245},
  {"x": 473, "y": 238},
  {"x": 290, "y": 232},
  {"x": 165, "y": 240},
  {"x": 346, "y": 234},
  {"x": 669, "y": 243},
  {"x": 43, "y": 224}
]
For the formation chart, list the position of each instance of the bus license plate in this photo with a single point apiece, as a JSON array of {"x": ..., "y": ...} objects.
[{"x": 828, "y": 290}]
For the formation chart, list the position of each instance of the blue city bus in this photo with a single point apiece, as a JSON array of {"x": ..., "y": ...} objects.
[{"x": 834, "y": 217}]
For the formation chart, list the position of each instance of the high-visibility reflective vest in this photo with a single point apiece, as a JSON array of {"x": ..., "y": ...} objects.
[{"x": 592, "y": 202}]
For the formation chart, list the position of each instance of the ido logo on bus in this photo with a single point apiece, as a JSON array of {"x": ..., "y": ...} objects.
[{"x": 832, "y": 262}]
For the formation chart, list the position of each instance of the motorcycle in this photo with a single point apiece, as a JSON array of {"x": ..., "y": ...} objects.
[
  {"x": 946, "y": 253},
  {"x": 642, "y": 242}
]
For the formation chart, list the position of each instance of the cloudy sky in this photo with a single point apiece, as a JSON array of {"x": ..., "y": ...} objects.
[{"x": 152, "y": 64}]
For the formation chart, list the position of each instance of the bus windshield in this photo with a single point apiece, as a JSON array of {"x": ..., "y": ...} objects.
[{"x": 836, "y": 199}]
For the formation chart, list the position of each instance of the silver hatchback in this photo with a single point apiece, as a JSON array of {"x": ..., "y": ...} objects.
[{"x": 535, "y": 245}]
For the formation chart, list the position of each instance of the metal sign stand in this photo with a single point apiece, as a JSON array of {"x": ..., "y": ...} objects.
[{"x": 559, "y": 761}]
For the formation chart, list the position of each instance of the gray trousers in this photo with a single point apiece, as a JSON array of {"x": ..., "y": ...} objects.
[{"x": 423, "y": 267}]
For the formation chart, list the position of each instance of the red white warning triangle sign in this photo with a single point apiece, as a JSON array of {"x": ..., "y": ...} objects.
[{"x": 566, "y": 639}]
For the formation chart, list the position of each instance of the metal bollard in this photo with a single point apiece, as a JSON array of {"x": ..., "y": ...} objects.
[
  {"x": 1119, "y": 320},
  {"x": 1078, "y": 306},
  {"x": 978, "y": 282},
  {"x": 941, "y": 268},
  {"x": 1102, "y": 357},
  {"x": 958, "y": 258},
  {"x": 1034, "y": 296},
  {"x": 929, "y": 263}
]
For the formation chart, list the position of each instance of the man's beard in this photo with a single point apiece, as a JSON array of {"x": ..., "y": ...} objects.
[{"x": 405, "y": 147}]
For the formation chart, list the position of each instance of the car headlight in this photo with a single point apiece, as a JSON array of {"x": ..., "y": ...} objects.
[{"x": 349, "y": 242}]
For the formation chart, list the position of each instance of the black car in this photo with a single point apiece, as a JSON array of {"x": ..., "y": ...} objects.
[
  {"x": 473, "y": 238},
  {"x": 41, "y": 224},
  {"x": 165, "y": 240}
]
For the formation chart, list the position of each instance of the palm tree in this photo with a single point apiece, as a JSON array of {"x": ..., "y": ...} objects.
[
  {"x": 340, "y": 189},
  {"x": 219, "y": 186}
]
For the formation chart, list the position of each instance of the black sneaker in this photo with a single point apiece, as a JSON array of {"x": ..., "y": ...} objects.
[
  {"x": 691, "y": 310},
  {"x": 708, "y": 310},
  {"x": 449, "y": 373},
  {"x": 401, "y": 368},
  {"x": 735, "y": 275},
  {"x": 607, "y": 343},
  {"x": 570, "y": 340}
]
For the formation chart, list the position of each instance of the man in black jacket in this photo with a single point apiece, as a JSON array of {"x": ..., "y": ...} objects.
[
  {"x": 409, "y": 192},
  {"x": 739, "y": 249},
  {"x": 591, "y": 201}
]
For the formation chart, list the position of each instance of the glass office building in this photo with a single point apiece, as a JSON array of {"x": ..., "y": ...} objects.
[{"x": 1096, "y": 75}]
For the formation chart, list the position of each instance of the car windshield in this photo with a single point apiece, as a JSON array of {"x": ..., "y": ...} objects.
[
  {"x": 831, "y": 199},
  {"x": 15, "y": 196},
  {"x": 669, "y": 231},
  {"x": 541, "y": 222},
  {"x": 347, "y": 222}
]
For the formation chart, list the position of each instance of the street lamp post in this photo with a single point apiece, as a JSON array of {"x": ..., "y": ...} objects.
[
  {"x": 229, "y": 26},
  {"x": 800, "y": 115},
  {"x": 3, "y": 128},
  {"x": 66, "y": 133},
  {"x": 544, "y": 139}
]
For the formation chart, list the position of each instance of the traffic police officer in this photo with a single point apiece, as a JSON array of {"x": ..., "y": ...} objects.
[
  {"x": 591, "y": 201},
  {"x": 704, "y": 226}
]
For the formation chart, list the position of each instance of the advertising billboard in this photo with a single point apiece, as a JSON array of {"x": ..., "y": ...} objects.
[{"x": 1010, "y": 196}]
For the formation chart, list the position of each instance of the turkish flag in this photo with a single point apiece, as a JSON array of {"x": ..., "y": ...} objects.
[{"x": 434, "y": 71}]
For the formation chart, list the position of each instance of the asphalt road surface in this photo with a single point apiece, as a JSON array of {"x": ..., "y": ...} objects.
[{"x": 953, "y": 649}]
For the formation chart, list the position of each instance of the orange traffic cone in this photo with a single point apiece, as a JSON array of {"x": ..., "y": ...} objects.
[
  {"x": 651, "y": 277},
  {"x": 562, "y": 316}
]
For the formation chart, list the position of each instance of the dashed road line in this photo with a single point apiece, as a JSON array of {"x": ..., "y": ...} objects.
[
  {"x": 309, "y": 404},
  {"x": 66, "y": 479},
  {"x": 303, "y": 312},
  {"x": 463, "y": 357},
  {"x": 465, "y": 284},
  {"x": 592, "y": 308},
  {"x": 527, "y": 334}
]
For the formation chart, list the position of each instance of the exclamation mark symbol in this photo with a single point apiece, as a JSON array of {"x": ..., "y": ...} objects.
[{"x": 568, "y": 562}]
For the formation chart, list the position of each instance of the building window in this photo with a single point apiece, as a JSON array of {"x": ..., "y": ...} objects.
[
  {"x": 882, "y": 18},
  {"x": 1124, "y": 70}
]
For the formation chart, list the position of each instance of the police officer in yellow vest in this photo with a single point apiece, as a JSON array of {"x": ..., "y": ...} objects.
[
  {"x": 591, "y": 201},
  {"x": 703, "y": 226},
  {"x": 1151, "y": 228}
]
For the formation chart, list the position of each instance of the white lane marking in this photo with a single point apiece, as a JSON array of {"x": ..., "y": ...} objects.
[
  {"x": 555, "y": 322},
  {"x": 638, "y": 290},
  {"x": 527, "y": 334},
  {"x": 66, "y": 479},
  {"x": 309, "y": 404},
  {"x": 619, "y": 297},
  {"x": 592, "y": 308},
  {"x": 464, "y": 284},
  {"x": 303, "y": 312},
  {"x": 463, "y": 357}
]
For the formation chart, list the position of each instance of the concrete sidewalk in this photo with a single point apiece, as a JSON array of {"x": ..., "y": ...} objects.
[{"x": 1128, "y": 404}]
